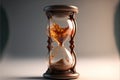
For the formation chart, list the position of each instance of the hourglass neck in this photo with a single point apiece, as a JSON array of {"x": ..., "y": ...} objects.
[{"x": 60, "y": 44}]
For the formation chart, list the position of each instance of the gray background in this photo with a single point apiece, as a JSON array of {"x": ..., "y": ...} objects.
[{"x": 27, "y": 28}]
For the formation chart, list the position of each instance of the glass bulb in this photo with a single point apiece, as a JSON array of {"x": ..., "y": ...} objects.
[{"x": 61, "y": 58}]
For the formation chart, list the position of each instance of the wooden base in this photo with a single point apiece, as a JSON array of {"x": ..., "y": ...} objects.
[{"x": 61, "y": 76}]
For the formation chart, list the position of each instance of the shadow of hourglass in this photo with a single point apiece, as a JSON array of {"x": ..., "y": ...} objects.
[
  {"x": 4, "y": 30},
  {"x": 117, "y": 27}
]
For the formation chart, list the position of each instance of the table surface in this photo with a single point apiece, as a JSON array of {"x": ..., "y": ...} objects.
[{"x": 33, "y": 69}]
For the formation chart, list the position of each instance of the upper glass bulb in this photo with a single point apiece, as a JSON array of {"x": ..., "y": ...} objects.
[{"x": 61, "y": 33}]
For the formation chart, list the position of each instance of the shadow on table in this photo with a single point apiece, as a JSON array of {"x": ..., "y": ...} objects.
[
  {"x": 34, "y": 78},
  {"x": 28, "y": 78}
]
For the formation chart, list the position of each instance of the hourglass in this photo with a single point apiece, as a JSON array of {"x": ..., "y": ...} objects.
[{"x": 61, "y": 29}]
